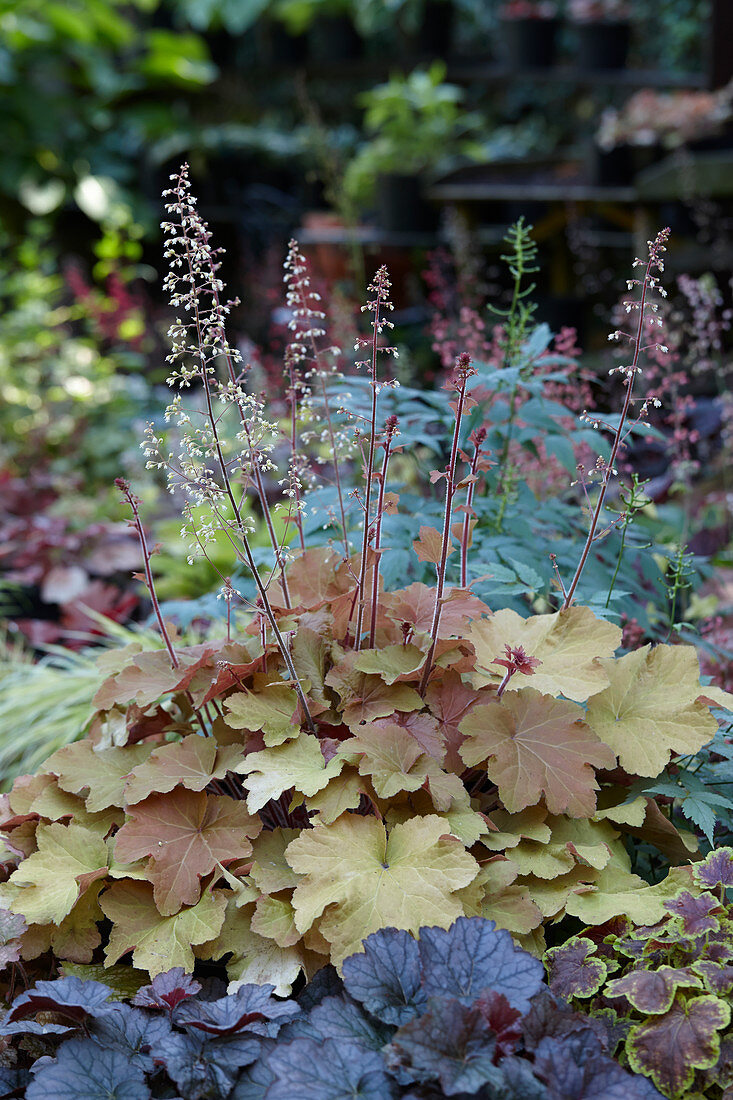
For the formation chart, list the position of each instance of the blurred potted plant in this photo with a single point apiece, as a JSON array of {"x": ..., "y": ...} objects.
[
  {"x": 650, "y": 123},
  {"x": 529, "y": 31},
  {"x": 418, "y": 125},
  {"x": 425, "y": 26},
  {"x": 329, "y": 25},
  {"x": 604, "y": 32}
]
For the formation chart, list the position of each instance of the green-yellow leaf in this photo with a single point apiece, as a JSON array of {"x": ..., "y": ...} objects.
[
  {"x": 390, "y": 756},
  {"x": 358, "y": 880},
  {"x": 568, "y": 643},
  {"x": 298, "y": 764},
  {"x": 390, "y": 662},
  {"x": 68, "y": 860},
  {"x": 158, "y": 943},
  {"x": 616, "y": 892},
  {"x": 650, "y": 709},
  {"x": 273, "y": 708},
  {"x": 104, "y": 774}
]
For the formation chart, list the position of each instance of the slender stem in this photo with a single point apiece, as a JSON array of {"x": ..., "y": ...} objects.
[
  {"x": 450, "y": 491},
  {"x": 631, "y": 374},
  {"x": 466, "y": 532},
  {"x": 132, "y": 500},
  {"x": 369, "y": 475},
  {"x": 391, "y": 427}
]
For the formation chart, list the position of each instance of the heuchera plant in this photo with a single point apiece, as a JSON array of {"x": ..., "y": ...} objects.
[
  {"x": 463, "y": 1012},
  {"x": 352, "y": 758},
  {"x": 663, "y": 986}
]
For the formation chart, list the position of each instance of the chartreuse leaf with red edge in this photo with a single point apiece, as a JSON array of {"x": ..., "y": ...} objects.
[
  {"x": 298, "y": 765},
  {"x": 536, "y": 747},
  {"x": 103, "y": 773},
  {"x": 650, "y": 708},
  {"x": 569, "y": 644},
  {"x": 158, "y": 942},
  {"x": 571, "y": 970},
  {"x": 272, "y": 708},
  {"x": 191, "y": 763},
  {"x": 670, "y": 1047},
  {"x": 186, "y": 834},
  {"x": 358, "y": 879},
  {"x": 48, "y": 884}
]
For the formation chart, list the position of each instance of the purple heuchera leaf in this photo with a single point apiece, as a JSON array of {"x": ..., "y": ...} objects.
[
  {"x": 695, "y": 913},
  {"x": 83, "y": 1070},
  {"x": 571, "y": 970},
  {"x": 327, "y": 1070},
  {"x": 251, "y": 1008},
  {"x": 132, "y": 1032},
  {"x": 338, "y": 1018},
  {"x": 387, "y": 976},
  {"x": 576, "y": 1068},
  {"x": 200, "y": 1067},
  {"x": 548, "y": 1018},
  {"x": 653, "y": 991},
  {"x": 70, "y": 997},
  {"x": 167, "y": 990},
  {"x": 472, "y": 956},
  {"x": 452, "y": 1043},
  {"x": 715, "y": 870},
  {"x": 671, "y": 1047}
]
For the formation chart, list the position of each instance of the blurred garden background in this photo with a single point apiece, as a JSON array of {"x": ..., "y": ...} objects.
[{"x": 412, "y": 133}]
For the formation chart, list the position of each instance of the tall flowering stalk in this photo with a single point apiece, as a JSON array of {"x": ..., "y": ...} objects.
[
  {"x": 306, "y": 323},
  {"x": 378, "y": 305},
  {"x": 219, "y": 311},
  {"x": 647, "y": 286},
  {"x": 460, "y": 405},
  {"x": 197, "y": 345}
]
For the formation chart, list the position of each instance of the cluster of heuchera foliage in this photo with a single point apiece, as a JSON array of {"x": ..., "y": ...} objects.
[
  {"x": 663, "y": 985},
  {"x": 354, "y": 758}
]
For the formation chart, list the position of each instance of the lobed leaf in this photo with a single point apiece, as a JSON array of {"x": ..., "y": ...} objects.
[{"x": 671, "y": 1047}]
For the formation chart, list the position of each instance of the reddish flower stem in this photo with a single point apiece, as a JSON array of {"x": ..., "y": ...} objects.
[
  {"x": 391, "y": 429},
  {"x": 464, "y": 373}
]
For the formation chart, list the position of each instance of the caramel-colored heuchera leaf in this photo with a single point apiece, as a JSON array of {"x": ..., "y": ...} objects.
[
  {"x": 158, "y": 943},
  {"x": 272, "y": 708},
  {"x": 671, "y": 1047},
  {"x": 298, "y": 764},
  {"x": 536, "y": 746},
  {"x": 429, "y": 545},
  {"x": 650, "y": 709},
  {"x": 191, "y": 763},
  {"x": 80, "y": 767},
  {"x": 415, "y": 605},
  {"x": 569, "y": 644},
  {"x": 49, "y": 882},
  {"x": 358, "y": 879},
  {"x": 187, "y": 834},
  {"x": 150, "y": 675},
  {"x": 365, "y": 697}
]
